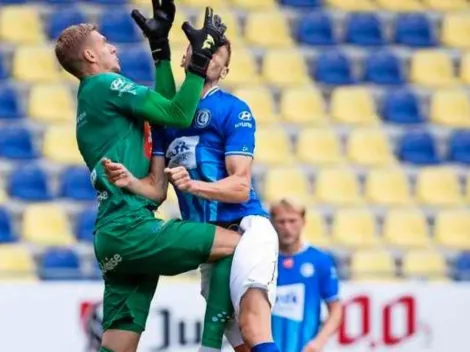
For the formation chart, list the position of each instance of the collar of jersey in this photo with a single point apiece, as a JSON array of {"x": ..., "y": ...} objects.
[{"x": 211, "y": 91}]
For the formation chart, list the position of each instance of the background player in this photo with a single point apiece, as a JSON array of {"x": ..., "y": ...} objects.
[
  {"x": 132, "y": 247},
  {"x": 307, "y": 277}
]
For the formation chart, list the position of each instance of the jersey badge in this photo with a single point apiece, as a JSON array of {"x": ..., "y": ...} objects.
[
  {"x": 307, "y": 270},
  {"x": 203, "y": 117},
  {"x": 288, "y": 263}
]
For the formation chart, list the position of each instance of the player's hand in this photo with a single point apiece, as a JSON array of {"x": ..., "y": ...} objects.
[
  {"x": 179, "y": 177},
  {"x": 157, "y": 29},
  {"x": 314, "y": 346},
  {"x": 205, "y": 41},
  {"x": 117, "y": 173}
]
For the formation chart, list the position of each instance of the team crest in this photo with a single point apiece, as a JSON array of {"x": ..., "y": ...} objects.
[
  {"x": 307, "y": 270},
  {"x": 203, "y": 117}
]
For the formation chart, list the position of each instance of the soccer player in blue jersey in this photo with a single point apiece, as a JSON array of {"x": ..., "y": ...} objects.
[{"x": 307, "y": 277}]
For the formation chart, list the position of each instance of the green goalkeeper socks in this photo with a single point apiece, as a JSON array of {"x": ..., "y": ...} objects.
[{"x": 219, "y": 305}]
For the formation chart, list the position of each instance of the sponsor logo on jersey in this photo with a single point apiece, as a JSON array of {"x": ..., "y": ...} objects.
[
  {"x": 290, "y": 302},
  {"x": 203, "y": 118},
  {"x": 182, "y": 152},
  {"x": 307, "y": 270},
  {"x": 245, "y": 116},
  {"x": 121, "y": 86}
]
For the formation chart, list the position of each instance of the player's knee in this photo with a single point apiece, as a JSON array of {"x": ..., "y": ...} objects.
[
  {"x": 119, "y": 341},
  {"x": 225, "y": 242}
]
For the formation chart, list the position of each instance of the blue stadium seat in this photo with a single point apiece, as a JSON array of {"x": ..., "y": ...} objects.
[
  {"x": 418, "y": 148},
  {"x": 29, "y": 183},
  {"x": 118, "y": 27},
  {"x": 414, "y": 29},
  {"x": 3, "y": 69},
  {"x": 316, "y": 29},
  {"x": 462, "y": 267},
  {"x": 332, "y": 67},
  {"x": 459, "y": 147},
  {"x": 108, "y": 2},
  {"x": 85, "y": 225},
  {"x": 62, "y": 19},
  {"x": 384, "y": 68},
  {"x": 401, "y": 106},
  {"x": 9, "y": 103},
  {"x": 11, "y": 2},
  {"x": 6, "y": 231},
  {"x": 16, "y": 143},
  {"x": 364, "y": 29},
  {"x": 301, "y": 3},
  {"x": 61, "y": 2},
  {"x": 137, "y": 65},
  {"x": 59, "y": 264},
  {"x": 76, "y": 184}
]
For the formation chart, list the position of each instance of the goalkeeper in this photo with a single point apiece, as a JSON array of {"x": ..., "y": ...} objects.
[{"x": 132, "y": 247}]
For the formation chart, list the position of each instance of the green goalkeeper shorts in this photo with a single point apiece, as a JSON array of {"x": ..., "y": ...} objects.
[{"x": 133, "y": 257}]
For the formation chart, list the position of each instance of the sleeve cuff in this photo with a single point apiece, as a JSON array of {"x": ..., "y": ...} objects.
[
  {"x": 239, "y": 153},
  {"x": 158, "y": 154},
  {"x": 335, "y": 297}
]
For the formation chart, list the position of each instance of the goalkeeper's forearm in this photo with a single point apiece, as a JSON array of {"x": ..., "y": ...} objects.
[{"x": 164, "y": 80}]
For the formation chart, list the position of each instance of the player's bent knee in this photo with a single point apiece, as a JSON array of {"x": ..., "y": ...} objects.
[
  {"x": 225, "y": 242},
  {"x": 120, "y": 341},
  {"x": 255, "y": 316}
]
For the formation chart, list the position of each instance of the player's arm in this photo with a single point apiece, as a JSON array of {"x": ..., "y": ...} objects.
[{"x": 164, "y": 80}]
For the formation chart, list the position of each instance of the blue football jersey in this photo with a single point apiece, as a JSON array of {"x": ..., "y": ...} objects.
[
  {"x": 305, "y": 280},
  {"x": 223, "y": 125}
]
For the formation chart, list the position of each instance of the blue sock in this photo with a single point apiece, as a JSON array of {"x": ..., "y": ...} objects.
[{"x": 265, "y": 347}]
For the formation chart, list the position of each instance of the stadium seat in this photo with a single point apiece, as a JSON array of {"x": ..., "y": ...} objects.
[
  {"x": 20, "y": 25},
  {"x": 61, "y": 19},
  {"x": 316, "y": 29},
  {"x": 372, "y": 264},
  {"x": 447, "y": 5},
  {"x": 137, "y": 64},
  {"x": 3, "y": 196},
  {"x": 118, "y": 27},
  {"x": 108, "y": 2},
  {"x": 354, "y": 106},
  {"x": 6, "y": 227},
  {"x": 400, "y": 5},
  {"x": 418, "y": 148},
  {"x": 46, "y": 225},
  {"x": 276, "y": 187},
  {"x": 16, "y": 263},
  {"x": 10, "y": 107},
  {"x": 384, "y": 68},
  {"x": 3, "y": 68},
  {"x": 60, "y": 2},
  {"x": 337, "y": 186},
  {"x": 60, "y": 145},
  {"x": 364, "y": 29},
  {"x": 76, "y": 184},
  {"x": 432, "y": 68},
  {"x": 16, "y": 143},
  {"x": 406, "y": 228},
  {"x": 354, "y": 228},
  {"x": 261, "y": 102},
  {"x": 178, "y": 72},
  {"x": 178, "y": 38},
  {"x": 268, "y": 29},
  {"x": 452, "y": 229},
  {"x": 216, "y": 4},
  {"x": 298, "y": 3},
  {"x": 459, "y": 147},
  {"x": 388, "y": 187},
  {"x": 269, "y": 140},
  {"x": 319, "y": 147},
  {"x": 43, "y": 69},
  {"x": 369, "y": 147},
  {"x": 415, "y": 30},
  {"x": 303, "y": 106},
  {"x": 352, "y": 5},
  {"x": 29, "y": 183},
  {"x": 51, "y": 103},
  {"x": 465, "y": 68},
  {"x": 59, "y": 264},
  {"x": 420, "y": 264},
  {"x": 462, "y": 267},
  {"x": 269, "y": 4},
  {"x": 231, "y": 20},
  {"x": 243, "y": 69},
  {"x": 454, "y": 27},
  {"x": 315, "y": 230},
  {"x": 401, "y": 106},
  {"x": 450, "y": 107},
  {"x": 85, "y": 225},
  {"x": 275, "y": 61},
  {"x": 332, "y": 67},
  {"x": 438, "y": 187}
]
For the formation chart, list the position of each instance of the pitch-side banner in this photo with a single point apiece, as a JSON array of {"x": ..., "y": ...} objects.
[{"x": 409, "y": 317}]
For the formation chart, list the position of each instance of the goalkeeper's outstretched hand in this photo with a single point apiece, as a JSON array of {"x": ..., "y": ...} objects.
[
  {"x": 204, "y": 41},
  {"x": 157, "y": 29}
]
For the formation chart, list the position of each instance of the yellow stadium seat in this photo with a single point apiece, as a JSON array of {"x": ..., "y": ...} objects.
[
  {"x": 432, "y": 68},
  {"x": 276, "y": 185},
  {"x": 452, "y": 229},
  {"x": 454, "y": 27},
  {"x": 319, "y": 147},
  {"x": 255, "y": 5},
  {"x": 467, "y": 189},
  {"x": 369, "y": 147},
  {"x": 400, "y": 5},
  {"x": 371, "y": 264},
  {"x": 406, "y": 227},
  {"x": 465, "y": 68},
  {"x": 268, "y": 29},
  {"x": 46, "y": 224},
  {"x": 337, "y": 186},
  {"x": 424, "y": 264},
  {"x": 51, "y": 103},
  {"x": 261, "y": 102},
  {"x": 354, "y": 228},
  {"x": 450, "y": 107},
  {"x": 303, "y": 105},
  {"x": 353, "y": 105},
  {"x": 446, "y": 5},
  {"x": 273, "y": 147},
  {"x": 3, "y": 196},
  {"x": 177, "y": 36},
  {"x": 21, "y": 25},
  {"x": 16, "y": 263},
  {"x": 315, "y": 229},
  {"x": 243, "y": 69},
  {"x": 388, "y": 187},
  {"x": 60, "y": 145},
  {"x": 276, "y": 61},
  {"x": 43, "y": 69},
  {"x": 352, "y": 5},
  {"x": 438, "y": 187},
  {"x": 232, "y": 22},
  {"x": 215, "y": 4},
  {"x": 178, "y": 71}
]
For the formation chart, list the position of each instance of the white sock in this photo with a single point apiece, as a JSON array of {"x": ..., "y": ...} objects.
[{"x": 208, "y": 349}]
